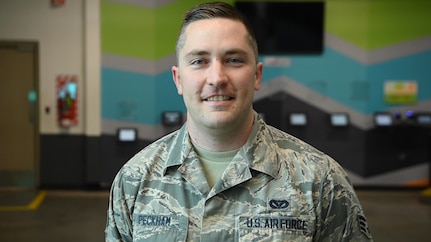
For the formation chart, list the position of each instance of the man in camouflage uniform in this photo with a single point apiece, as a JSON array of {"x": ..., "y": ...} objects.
[{"x": 226, "y": 175}]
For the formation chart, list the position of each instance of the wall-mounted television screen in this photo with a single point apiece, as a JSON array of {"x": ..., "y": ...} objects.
[
  {"x": 298, "y": 119},
  {"x": 383, "y": 119},
  {"x": 172, "y": 118},
  {"x": 127, "y": 134},
  {"x": 423, "y": 119},
  {"x": 286, "y": 27},
  {"x": 339, "y": 119}
]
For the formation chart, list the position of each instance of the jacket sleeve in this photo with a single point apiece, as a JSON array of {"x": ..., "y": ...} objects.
[
  {"x": 342, "y": 216},
  {"x": 119, "y": 226}
]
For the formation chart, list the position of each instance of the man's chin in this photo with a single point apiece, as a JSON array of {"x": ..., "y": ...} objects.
[{"x": 219, "y": 120}]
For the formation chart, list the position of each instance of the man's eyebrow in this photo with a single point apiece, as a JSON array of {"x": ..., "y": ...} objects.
[
  {"x": 236, "y": 51},
  {"x": 229, "y": 52},
  {"x": 196, "y": 53}
]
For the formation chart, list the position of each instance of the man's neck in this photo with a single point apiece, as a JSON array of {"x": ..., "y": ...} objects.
[{"x": 221, "y": 139}]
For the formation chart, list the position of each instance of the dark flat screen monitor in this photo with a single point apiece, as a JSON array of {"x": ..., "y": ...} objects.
[{"x": 286, "y": 27}]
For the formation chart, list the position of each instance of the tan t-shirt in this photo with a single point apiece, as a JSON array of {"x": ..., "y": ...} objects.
[{"x": 214, "y": 163}]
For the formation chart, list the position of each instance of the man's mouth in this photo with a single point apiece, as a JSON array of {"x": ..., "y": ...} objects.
[{"x": 218, "y": 98}]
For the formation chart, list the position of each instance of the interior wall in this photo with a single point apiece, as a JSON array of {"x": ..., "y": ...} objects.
[
  {"x": 69, "y": 42},
  {"x": 366, "y": 44},
  {"x": 122, "y": 52}
]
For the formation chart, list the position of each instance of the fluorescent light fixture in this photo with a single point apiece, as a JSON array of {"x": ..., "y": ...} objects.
[
  {"x": 339, "y": 119},
  {"x": 383, "y": 119},
  {"x": 298, "y": 119},
  {"x": 127, "y": 134}
]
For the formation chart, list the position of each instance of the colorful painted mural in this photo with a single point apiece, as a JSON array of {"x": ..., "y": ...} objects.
[{"x": 367, "y": 43}]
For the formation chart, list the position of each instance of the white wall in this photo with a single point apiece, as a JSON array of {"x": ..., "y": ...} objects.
[{"x": 69, "y": 43}]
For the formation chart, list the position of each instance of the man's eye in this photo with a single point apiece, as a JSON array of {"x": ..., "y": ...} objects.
[
  {"x": 235, "y": 61},
  {"x": 197, "y": 62}
]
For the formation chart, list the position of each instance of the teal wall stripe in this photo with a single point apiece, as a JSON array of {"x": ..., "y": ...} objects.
[
  {"x": 411, "y": 68},
  {"x": 331, "y": 74},
  {"x": 167, "y": 98},
  {"x": 128, "y": 96},
  {"x": 140, "y": 98}
]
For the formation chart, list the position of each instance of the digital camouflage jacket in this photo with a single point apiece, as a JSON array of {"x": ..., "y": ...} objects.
[{"x": 277, "y": 188}]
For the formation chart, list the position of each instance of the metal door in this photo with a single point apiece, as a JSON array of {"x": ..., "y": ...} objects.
[{"x": 18, "y": 115}]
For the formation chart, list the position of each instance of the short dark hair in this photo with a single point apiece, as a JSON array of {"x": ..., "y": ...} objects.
[{"x": 215, "y": 10}]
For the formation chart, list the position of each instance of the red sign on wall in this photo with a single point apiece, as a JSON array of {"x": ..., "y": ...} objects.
[
  {"x": 58, "y": 3},
  {"x": 67, "y": 100}
]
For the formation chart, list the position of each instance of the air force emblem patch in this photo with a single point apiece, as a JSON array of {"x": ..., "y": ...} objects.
[{"x": 279, "y": 204}]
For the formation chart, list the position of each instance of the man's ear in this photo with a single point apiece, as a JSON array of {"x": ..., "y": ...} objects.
[
  {"x": 177, "y": 79},
  {"x": 258, "y": 76}
]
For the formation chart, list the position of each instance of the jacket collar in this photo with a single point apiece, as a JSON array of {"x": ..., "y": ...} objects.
[{"x": 259, "y": 152}]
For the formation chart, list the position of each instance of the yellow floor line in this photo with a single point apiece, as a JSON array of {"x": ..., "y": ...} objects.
[
  {"x": 426, "y": 193},
  {"x": 31, "y": 206}
]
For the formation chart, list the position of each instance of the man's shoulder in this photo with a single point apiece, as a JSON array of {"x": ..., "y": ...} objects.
[
  {"x": 303, "y": 159},
  {"x": 153, "y": 156},
  {"x": 286, "y": 141},
  {"x": 298, "y": 153}
]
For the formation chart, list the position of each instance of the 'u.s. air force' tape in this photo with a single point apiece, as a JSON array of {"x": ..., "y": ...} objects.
[{"x": 277, "y": 223}]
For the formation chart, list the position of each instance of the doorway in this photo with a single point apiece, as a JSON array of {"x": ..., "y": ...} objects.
[{"x": 19, "y": 132}]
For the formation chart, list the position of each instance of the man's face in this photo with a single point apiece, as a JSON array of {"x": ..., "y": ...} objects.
[{"x": 217, "y": 73}]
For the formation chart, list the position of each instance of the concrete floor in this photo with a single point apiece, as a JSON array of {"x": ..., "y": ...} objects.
[{"x": 67, "y": 216}]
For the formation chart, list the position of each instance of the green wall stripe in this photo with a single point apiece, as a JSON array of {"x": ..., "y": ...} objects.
[
  {"x": 127, "y": 30},
  {"x": 142, "y": 32},
  {"x": 372, "y": 24},
  {"x": 396, "y": 21},
  {"x": 348, "y": 20},
  {"x": 151, "y": 33}
]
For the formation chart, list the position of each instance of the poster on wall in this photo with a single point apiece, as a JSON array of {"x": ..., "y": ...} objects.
[
  {"x": 67, "y": 100},
  {"x": 400, "y": 92}
]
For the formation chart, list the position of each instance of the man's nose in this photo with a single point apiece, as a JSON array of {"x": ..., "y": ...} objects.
[{"x": 217, "y": 74}]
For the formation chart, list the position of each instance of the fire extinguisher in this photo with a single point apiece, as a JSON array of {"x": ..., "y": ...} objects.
[{"x": 67, "y": 98}]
